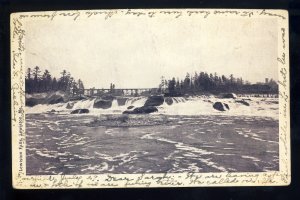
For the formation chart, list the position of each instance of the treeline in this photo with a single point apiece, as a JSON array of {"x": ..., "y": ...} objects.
[
  {"x": 203, "y": 82},
  {"x": 37, "y": 81}
]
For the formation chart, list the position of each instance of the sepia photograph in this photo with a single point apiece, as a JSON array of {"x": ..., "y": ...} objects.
[{"x": 151, "y": 92}]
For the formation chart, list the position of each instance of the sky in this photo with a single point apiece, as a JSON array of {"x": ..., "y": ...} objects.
[{"x": 136, "y": 52}]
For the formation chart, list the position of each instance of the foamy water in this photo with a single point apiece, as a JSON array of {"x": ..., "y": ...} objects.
[
  {"x": 67, "y": 144},
  {"x": 197, "y": 138},
  {"x": 267, "y": 107}
]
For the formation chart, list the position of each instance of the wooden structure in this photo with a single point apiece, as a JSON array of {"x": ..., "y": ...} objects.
[{"x": 120, "y": 92}]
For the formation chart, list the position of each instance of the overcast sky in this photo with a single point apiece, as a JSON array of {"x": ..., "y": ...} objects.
[{"x": 136, "y": 52}]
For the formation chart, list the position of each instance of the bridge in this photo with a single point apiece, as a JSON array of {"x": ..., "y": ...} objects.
[{"x": 121, "y": 91}]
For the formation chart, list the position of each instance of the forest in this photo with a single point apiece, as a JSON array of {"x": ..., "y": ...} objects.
[
  {"x": 212, "y": 83},
  {"x": 37, "y": 81}
]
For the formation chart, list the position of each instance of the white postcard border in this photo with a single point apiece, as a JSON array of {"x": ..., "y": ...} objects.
[{"x": 18, "y": 48}]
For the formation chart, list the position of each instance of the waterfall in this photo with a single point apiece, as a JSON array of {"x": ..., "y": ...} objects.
[
  {"x": 202, "y": 105},
  {"x": 136, "y": 101},
  {"x": 114, "y": 104},
  {"x": 178, "y": 99},
  {"x": 88, "y": 104}
]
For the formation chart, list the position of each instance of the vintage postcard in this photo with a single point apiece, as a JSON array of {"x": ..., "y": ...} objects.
[{"x": 150, "y": 98}]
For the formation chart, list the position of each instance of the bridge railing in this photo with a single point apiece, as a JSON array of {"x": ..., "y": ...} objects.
[{"x": 121, "y": 92}]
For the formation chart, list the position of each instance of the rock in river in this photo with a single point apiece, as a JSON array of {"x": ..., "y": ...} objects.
[
  {"x": 31, "y": 102},
  {"x": 221, "y": 106},
  {"x": 169, "y": 101},
  {"x": 80, "y": 111},
  {"x": 101, "y": 103},
  {"x": 154, "y": 101},
  {"x": 141, "y": 110},
  {"x": 121, "y": 101},
  {"x": 45, "y": 98},
  {"x": 229, "y": 96},
  {"x": 243, "y": 102},
  {"x": 55, "y": 97},
  {"x": 69, "y": 105}
]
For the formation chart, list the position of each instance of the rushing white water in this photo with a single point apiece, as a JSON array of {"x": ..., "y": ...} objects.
[
  {"x": 67, "y": 144},
  {"x": 136, "y": 101},
  {"x": 88, "y": 104},
  {"x": 196, "y": 106},
  {"x": 199, "y": 105},
  {"x": 114, "y": 104}
]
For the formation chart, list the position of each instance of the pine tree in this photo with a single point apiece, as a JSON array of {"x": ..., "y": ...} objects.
[
  {"x": 36, "y": 79},
  {"x": 80, "y": 86},
  {"x": 28, "y": 81},
  {"x": 187, "y": 82},
  {"x": 232, "y": 80},
  {"x": 178, "y": 88},
  {"x": 46, "y": 81},
  {"x": 54, "y": 84},
  {"x": 171, "y": 86},
  {"x": 62, "y": 82}
]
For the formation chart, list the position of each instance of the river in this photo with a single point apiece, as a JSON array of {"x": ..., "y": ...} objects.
[{"x": 61, "y": 143}]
